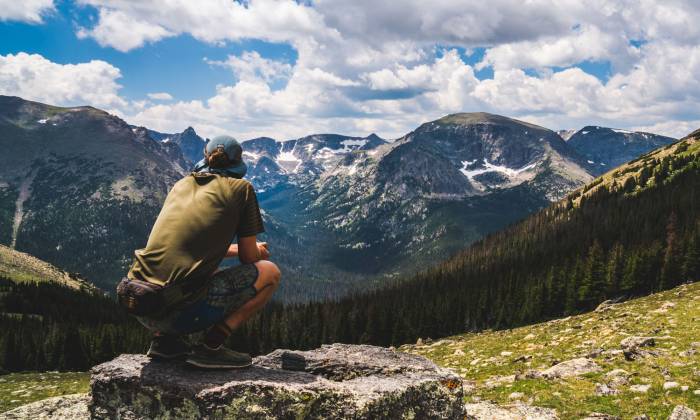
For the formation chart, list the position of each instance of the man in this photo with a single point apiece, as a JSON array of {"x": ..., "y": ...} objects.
[{"x": 201, "y": 216}]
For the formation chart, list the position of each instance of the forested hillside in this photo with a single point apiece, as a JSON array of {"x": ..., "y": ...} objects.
[
  {"x": 53, "y": 320},
  {"x": 630, "y": 232}
]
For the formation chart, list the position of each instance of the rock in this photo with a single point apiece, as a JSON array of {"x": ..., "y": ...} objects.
[
  {"x": 696, "y": 392},
  {"x": 685, "y": 388},
  {"x": 523, "y": 358},
  {"x": 516, "y": 396},
  {"x": 604, "y": 306},
  {"x": 338, "y": 381},
  {"x": 458, "y": 353},
  {"x": 688, "y": 353},
  {"x": 681, "y": 412},
  {"x": 670, "y": 385},
  {"x": 520, "y": 411},
  {"x": 641, "y": 417},
  {"x": 74, "y": 407},
  {"x": 506, "y": 353},
  {"x": 572, "y": 367},
  {"x": 631, "y": 346},
  {"x": 529, "y": 337},
  {"x": 618, "y": 377},
  {"x": 495, "y": 381},
  {"x": 419, "y": 342},
  {"x": 595, "y": 353},
  {"x": 642, "y": 389},
  {"x": 605, "y": 389},
  {"x": 600, "y": 416}
]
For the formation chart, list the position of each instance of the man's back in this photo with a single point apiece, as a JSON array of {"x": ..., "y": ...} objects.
[{"x": 200, "y": 218}]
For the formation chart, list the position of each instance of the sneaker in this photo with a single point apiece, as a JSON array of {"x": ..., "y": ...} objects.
[
  {"x": 168, "y": 347},
  {"x": 219, "y": 358}
]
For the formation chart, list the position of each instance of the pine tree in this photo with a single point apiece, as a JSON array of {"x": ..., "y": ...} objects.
[{"x": 613, "y": 273}]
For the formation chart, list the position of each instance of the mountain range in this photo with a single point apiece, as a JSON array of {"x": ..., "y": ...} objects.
[{"x": 80, "y": 188}]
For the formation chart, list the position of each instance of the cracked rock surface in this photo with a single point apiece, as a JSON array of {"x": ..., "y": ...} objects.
[{"x": 336, "y": 381}]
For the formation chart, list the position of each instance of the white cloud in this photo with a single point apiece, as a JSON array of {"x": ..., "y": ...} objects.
[
  {"x": 207, "y": 20},
  {"x": 387, "y": 66},
  {"x": 122, "y": 31},
  {"x": 160, "y": 96},
  {"x": 250, "y": 65},
  {"x": 30, "y": 11},
  {"x": 32, "y": 76}
]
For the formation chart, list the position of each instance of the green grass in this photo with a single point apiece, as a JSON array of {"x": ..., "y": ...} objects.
[
  {"x": 17, "y": 389},
  {"x": 480, "y": 357}
]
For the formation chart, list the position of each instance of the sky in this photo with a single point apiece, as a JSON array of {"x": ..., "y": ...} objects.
[{"x": 285, "y": 69}]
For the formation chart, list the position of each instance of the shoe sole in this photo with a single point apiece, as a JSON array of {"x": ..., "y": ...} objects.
[
  {"x": 214, "y": 366},
  {"x": 156, "y": 354}
]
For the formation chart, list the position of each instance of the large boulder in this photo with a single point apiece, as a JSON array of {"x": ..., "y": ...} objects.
[{"x": 336, "y": 381}]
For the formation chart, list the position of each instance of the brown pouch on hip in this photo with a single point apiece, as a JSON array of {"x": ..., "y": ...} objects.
[{"x": 141, "y": 298}]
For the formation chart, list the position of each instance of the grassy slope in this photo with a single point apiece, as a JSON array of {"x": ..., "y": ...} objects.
[
  {"x": 22, "y": 267},
  {"x": 17, "y": 389},
  {"x": 634, "y": 168},
  {"x": 481, "y": 357}
]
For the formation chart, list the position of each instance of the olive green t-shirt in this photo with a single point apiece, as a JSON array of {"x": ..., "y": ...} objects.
[{"x": 200, "y": 218}]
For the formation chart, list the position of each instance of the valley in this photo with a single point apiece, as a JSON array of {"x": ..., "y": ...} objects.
[{"x": 342, "y": 213}]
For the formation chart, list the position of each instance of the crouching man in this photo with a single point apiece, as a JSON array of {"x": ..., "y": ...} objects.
[{"x": 173, "y": 286}]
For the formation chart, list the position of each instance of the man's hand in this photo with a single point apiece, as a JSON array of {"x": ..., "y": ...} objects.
[{"x": 264, "y": 252}]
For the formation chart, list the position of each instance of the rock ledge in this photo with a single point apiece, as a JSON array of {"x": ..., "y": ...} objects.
[{"x": 336, "y": 381}]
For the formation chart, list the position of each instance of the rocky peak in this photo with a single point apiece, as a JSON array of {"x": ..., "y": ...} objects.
[
  {"x": 604, "y": 148},
  {"x": 191, "y": 144}
]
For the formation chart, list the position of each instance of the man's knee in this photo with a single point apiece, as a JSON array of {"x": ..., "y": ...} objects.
[{"x": 268, "y": 273}]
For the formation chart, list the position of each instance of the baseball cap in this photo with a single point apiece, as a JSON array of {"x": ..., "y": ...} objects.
[{"x": 233, "y": 151}]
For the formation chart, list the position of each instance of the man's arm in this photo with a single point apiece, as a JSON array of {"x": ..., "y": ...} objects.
[{"x": 249, "y": 250}]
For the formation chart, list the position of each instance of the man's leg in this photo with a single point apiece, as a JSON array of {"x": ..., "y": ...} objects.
[{"x": 266, "y": 284}]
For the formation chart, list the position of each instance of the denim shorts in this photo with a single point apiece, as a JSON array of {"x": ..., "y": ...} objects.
[{"x": 227, "y": 291}]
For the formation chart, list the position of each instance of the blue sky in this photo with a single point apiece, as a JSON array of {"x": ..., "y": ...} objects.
[
  {"x": 160, "y": 67},
  {"x": 283, "y": 68}
]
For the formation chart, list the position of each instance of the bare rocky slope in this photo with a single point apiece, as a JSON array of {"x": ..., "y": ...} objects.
[{"x": 89, "y": 186}]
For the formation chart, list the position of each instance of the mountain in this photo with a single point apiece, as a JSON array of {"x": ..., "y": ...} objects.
[
  {"x": 189, "y": 143},
  {"x": 79, "y": 187},
  {"x": 606, "y": 148},
  {"x": 632, "y": 232},
  {"x": 379, "y": 207},
  {"x": 341, "y": 212},
  {"x": 566, "y": 134}
]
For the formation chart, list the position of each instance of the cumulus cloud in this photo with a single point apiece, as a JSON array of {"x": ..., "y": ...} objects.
[
  {"x": 122, "y": 31},
  {"x": 210, "y": 21},
  {"x": 160, "y": 96},
  {"x": 32, "y": 76},
  {"x": 387, "y": 66},
  {"x": 250, "y": 65},
  {"x": 30, "y": 11}
]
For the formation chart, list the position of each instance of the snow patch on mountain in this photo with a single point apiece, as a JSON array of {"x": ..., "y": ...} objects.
[
  {"x": 490, "y": 167},
  {"x": 288, "y": 161}
]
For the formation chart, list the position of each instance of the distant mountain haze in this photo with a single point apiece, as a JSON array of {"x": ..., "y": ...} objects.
[{"x": 339, "y": 210}]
